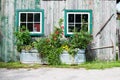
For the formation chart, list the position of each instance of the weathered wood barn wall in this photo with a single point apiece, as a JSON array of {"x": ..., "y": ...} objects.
[
  {"x": 54, "y": 10},
  {"x": 118, "y": 38}
]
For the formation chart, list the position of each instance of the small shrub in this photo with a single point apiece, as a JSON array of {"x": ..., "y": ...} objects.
[
  {"x": 23, "y": 38},
  {"x": 80, "y": 39},
  {"x": 43, "y": 46},
  {"x": 54, "y": 56},
  {"x": 50, "y": 47}
]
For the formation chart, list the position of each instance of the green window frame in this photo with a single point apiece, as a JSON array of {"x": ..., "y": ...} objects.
[
  {"x": 0, "y": 5},
  {"x": 73, "y": 19},
  {"x": 33, "y": 20}
]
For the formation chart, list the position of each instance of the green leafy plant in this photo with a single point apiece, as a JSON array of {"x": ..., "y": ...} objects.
[
  {"x": 54, "y": 56},
  {"x": 23, "y": 39},
  {"x": 80, "y": 39},
  {"x": 50, "y": 47},
  {"x": 43, "y": 45}
]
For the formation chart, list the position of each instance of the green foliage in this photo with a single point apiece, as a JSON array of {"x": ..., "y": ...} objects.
[
  {"x": 60, "y": 22},
  {"x": 73, "y": 51},
  {"x": 23, "y": 39},
  {"x": 80, "y": 39},
  {"x": 89, "y": 65},
  {"x": 50, "y": 47},
  {"x": 117, "y": 56},
  {"x": 55, "y": 37},
  {"x": 43, "y": 46},
  {"x": 64, "y": 41},
  {"x": 100, "y": 65},
  {"x": 16, "y": 65},
  {"x": 54, "y": 56}
]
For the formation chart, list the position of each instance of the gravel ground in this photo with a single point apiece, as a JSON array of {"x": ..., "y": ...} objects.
[{"x": 59, "y": 74}]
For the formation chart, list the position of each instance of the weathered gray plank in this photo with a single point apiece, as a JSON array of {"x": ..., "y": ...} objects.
[{"x": 54, "y": 10}]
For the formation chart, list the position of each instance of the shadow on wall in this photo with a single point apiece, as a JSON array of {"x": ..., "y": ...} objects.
[
  {"x": 90, "y": 54},
  {"x": 0, "y": 45},
  {"x": 118, "y": 16}
]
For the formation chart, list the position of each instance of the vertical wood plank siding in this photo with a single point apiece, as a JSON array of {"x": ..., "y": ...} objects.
[
  {"x": 108, "y": 35},
  {"x": 54, "y": 10},
  {"x": 0, "y": 32}
]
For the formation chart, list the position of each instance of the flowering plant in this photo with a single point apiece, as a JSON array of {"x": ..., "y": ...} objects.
[
  {"x": 50, "y": 47},
  {"x": 65, "y": 47}
]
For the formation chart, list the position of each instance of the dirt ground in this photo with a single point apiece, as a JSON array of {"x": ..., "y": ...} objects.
[{"x": 59, "y": 74}]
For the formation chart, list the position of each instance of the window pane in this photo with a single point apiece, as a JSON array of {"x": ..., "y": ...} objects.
[
  {"x": 85, "y": 18},
  {"x": 0, "y": 5},
  {"x": 78, "y": 18},
  {"x": 23, "y": 17},
  {"x": 30, "y": 17},
  {"x": 70, "y": 28},
  {"x": 30, "y": 26},
  {"x": 70, "y": 17},
  {"x": 22, "y": 24},
  {"x": 37, "y": 27},
  {"x": 77, "y": 27},
  {"x": 85, "y": 27},
  {"x": 37, "y": 17}
]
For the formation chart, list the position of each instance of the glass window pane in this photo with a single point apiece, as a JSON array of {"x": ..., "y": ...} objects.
[
  {"x": 37, "y": 17},
  {"x": 85, "y": 18},
  {"x": 77, "y": 27},
  {"x": 37, "y": 27},
  {"x": 78, "y": 18},
  {"x": 30, "y": 17},
  {"x": 30, "y": 26},
  {"x": 23, "y": 17},
  {"x": 85, "y": 27},
  {"x": 71, "y": 18},
  {"x": 0, "y": 5},
  {"x": 70, "y": 28},
  {"x": 22, "y": 24}
]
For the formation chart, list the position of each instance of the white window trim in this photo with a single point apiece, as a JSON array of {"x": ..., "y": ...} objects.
[
  {"x": 74, "y": 17},
  {"x": 33, "y": 22}
]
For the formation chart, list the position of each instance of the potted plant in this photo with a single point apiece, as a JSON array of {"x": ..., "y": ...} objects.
[
  {"x": 79, "y": 42},
  {"x": 25, "y": 47},
  {"x": 65, "y": 57},
  {"x": 75, "y": 47}
]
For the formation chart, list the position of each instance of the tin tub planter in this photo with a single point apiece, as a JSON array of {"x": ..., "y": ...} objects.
[
  {"x": 78, "y": 58},
  {"x": 30, "y": 57}
]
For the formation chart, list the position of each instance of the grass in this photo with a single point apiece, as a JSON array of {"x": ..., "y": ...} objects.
[
  {"x": 100, "y": 65},
  {"x": 88, "y": 65},
  {"x": 15, "y": 65}
]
